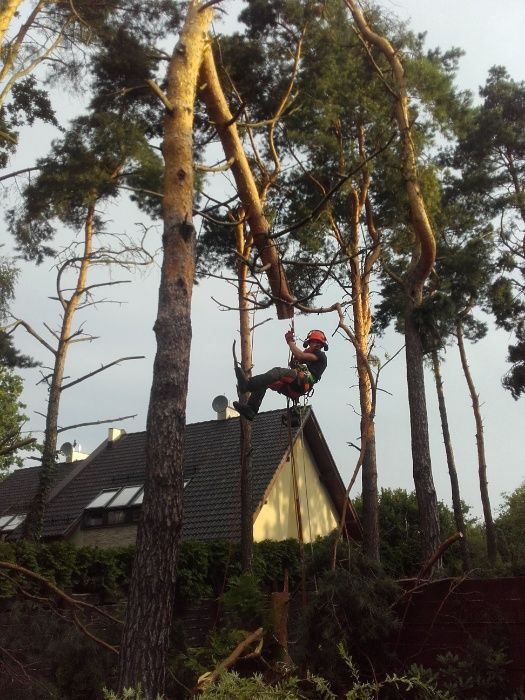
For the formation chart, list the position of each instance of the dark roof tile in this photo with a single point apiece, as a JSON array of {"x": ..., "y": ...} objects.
[{"x": 211, "y": 466}]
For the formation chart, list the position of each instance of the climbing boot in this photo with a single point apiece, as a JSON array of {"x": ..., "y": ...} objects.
[
  {"x": 245, "y": 410},
  {"x": 242, "y": 379}
]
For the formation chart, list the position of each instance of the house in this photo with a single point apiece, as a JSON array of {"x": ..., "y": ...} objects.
[{"x": 96, "y": 501}]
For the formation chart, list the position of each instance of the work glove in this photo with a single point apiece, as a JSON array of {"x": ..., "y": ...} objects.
[{"x": 289, "y": 336}]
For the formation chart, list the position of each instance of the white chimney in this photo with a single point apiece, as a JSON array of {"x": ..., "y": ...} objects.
[
  {"x": 223, "y": 410},
  {"x": 115, "y": 434}
]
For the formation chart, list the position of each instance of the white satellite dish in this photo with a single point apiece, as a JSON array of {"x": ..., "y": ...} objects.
[
  {"x": 219, "y": 403},
  {"x": 67, "y": 450}
]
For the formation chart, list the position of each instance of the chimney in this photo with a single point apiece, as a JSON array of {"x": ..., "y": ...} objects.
[
  {"x": 222, "y": 409},
  {"x": 115, "y": 434}
]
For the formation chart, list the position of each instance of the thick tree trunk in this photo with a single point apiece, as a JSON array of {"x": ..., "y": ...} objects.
[
  {"x": 421, "y": 463},
  {"x": 451, "y": 463},
  {"x": 243, "y": 250},
  {"x": 35, "y": 517},
  {"x": 221, "y": 116},
  {"x": 146, "y": 633},
  {"x": 490, "y": 529}
]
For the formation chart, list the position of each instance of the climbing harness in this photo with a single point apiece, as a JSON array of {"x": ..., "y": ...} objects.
[{"x": 302, "y": 384}]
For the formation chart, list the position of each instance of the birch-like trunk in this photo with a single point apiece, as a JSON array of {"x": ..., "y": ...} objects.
[
  {"x": 243, "y": 251},
  {"x": 451, "y": 463},
  {"x": 490, "y": 529},
  {"x": 35, "y": 517},
  {"x": 146, "y": 634}
]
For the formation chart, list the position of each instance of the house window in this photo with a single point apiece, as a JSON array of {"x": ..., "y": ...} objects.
[
  {"x": 103, "y": 499},
  {"x": 117, "y": 506},
  {"x": 116, "y": 517},
  {"x": 125, "y": 496},
  {"x": 8, "y": 523}
]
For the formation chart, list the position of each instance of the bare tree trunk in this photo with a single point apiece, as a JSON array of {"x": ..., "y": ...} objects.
[
  {"x": 35, "y": 517},
  {"x": 222, "y": 118},
  {"x": 451, "y": 463},
  {"x": 421, "y": 463},
  {"x": 146, "y": 634},
  {"x": 243, "y": 250},
  {"x": 423, "y": 257},
  {"x": 490, "y": 529}
]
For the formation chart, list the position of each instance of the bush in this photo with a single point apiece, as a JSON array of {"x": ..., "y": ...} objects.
[{"x": 353, "y": 608}]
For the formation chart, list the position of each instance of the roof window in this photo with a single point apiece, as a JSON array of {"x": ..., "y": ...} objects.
[{"x": 8, "y": 523}]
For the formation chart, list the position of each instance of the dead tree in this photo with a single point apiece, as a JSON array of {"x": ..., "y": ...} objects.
[
  {"x": 490, "y": 528},
  {"x": 70, "y": 301}
]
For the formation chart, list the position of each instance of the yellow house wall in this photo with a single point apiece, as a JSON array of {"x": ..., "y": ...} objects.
[{"x": 276, "y": 519}]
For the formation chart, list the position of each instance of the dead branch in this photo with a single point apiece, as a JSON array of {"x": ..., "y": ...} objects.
[
  {"x": 18, "y": 322},
  {"x": 158, "y": 92},
  {"x": 18, "y": 445},
  {"x": 212, "y": 676},
  {"x": 427, "y": 566},
  {"x": 94, "y": 422},
  {"x": 100, "y": 369},
  {"x": 214, "y": 168},
  {"x": 72, "y": 602},
  {"x": 19, "y": 172}
]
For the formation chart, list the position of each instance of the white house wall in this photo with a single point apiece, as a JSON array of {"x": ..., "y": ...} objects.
[{"x": 277, "y": 519}]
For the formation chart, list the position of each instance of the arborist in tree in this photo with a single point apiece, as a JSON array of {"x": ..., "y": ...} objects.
[{"x": 306, "y": 368}]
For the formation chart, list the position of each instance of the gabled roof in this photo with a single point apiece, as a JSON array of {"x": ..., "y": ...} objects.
[
  {"x": 212, "y": 493},
  {"x": 18, "y": 489}
]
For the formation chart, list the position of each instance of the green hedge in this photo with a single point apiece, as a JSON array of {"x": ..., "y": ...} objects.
[{"x": 203, "y": 568}]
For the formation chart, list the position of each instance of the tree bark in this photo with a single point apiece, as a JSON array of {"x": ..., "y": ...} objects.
[
  {"x": 7, "y": 12},
  {"x": 451, "y": 463},
  {"x": 490, "y": 529},
  {"x": 243, "y": 250},
  {"x": 146, "y": 634},
  {"x": 421, "y": 463},
  {"x": 423, "y": 257},
  {"x": 35, "y": 517},
  {"x": 221, "y": 116}
]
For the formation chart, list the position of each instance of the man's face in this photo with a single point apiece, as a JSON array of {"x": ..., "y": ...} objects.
[{"x": 315, "y": 345}]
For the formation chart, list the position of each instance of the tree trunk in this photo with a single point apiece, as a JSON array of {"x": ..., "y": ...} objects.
[
  {"x": 146, "y": 634},
  {"x": 421, "y": 463},
  {"x": 35, "y": 517},
  {"x": 423, "y": 257},
  {"x": 7, "y": 12},
  {"x": 454, "y": 483},
  {"x": 243, "y": 250},
  {"x": 221, "y": 116},
  {"x": 490, "y": 529}
]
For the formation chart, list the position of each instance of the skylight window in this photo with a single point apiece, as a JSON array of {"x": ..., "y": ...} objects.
[
  {"x": 140, "y": 498},
  {"x": 8, "y": 523},
  {"x": 125, "y": 496},
  {"x": 103, "y": 499}
]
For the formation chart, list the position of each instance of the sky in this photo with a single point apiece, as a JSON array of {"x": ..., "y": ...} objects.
[{"x": 490, "y": 34}]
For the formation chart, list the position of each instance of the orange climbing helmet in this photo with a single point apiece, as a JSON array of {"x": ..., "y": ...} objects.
[{"x": 316, "y": 335}]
